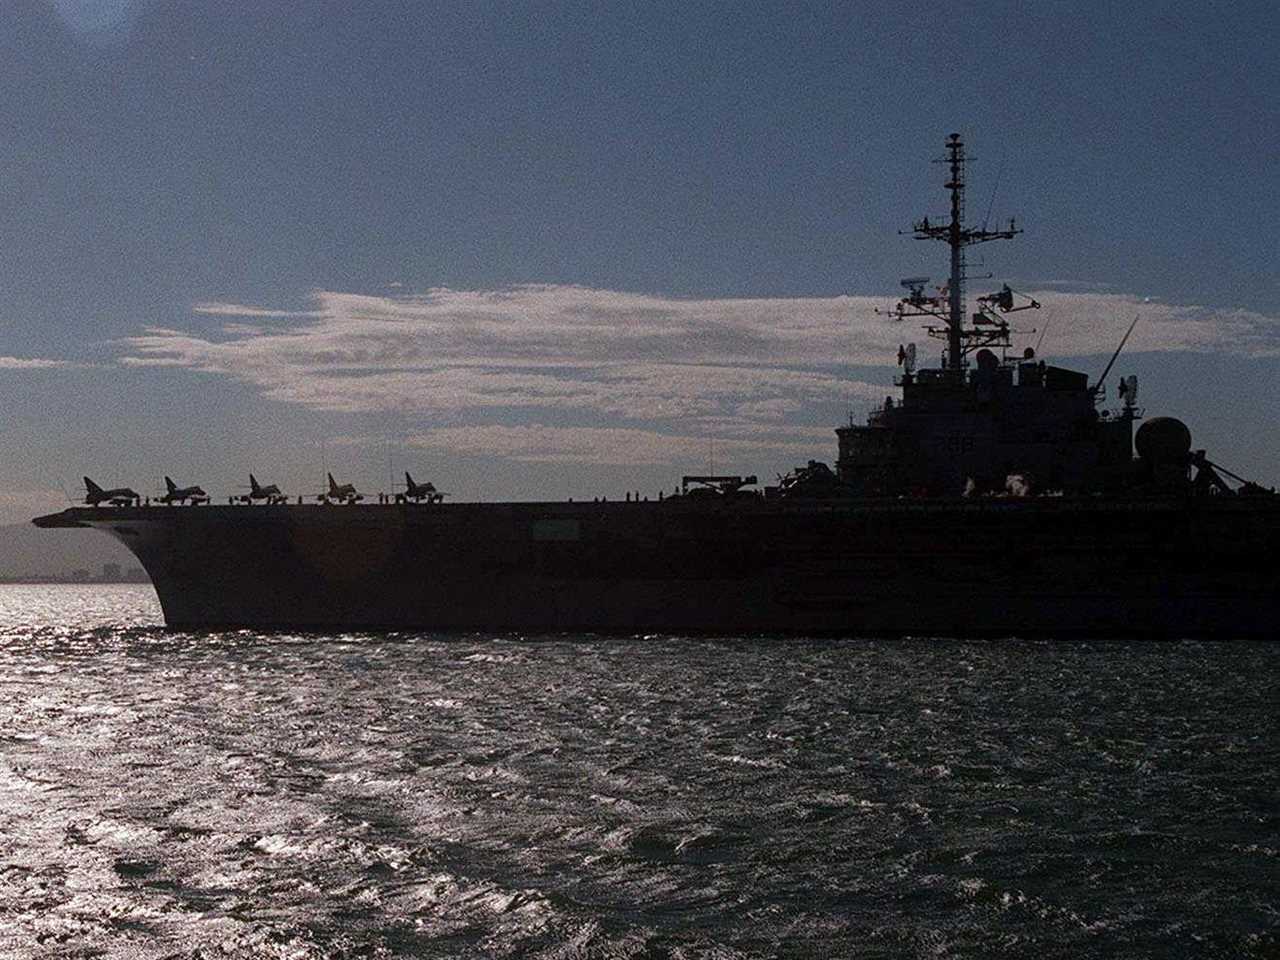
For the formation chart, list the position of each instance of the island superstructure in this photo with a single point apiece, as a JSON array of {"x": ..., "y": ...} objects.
[{"x": 996, "y": 495}]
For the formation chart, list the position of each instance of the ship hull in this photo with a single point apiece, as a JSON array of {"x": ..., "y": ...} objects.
[{"x": 1034, "y": 567}]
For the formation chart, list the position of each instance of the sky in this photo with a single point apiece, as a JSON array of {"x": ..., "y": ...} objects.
[{"x": 540, "y": 250}]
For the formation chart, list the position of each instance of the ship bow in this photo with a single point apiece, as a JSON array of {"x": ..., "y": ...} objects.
[{"x": 63, "y": 520}]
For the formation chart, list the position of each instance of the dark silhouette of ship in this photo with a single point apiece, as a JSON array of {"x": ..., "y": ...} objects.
[{"x": 998, "y": 495}]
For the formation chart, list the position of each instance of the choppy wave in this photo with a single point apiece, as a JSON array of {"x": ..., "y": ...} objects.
[{"x": 233, "y": 795}]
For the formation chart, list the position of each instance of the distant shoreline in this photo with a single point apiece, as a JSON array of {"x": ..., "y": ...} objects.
[{"x": 39, "y": 581}]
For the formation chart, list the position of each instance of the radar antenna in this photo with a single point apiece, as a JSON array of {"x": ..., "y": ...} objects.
[{"x": 1129, "y": 390}]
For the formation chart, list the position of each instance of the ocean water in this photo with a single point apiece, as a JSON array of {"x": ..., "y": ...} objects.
[{"x": 237, "y": 795}]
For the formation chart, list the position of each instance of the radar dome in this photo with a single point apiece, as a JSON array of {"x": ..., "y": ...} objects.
[{"x": 1163, "y": 438}]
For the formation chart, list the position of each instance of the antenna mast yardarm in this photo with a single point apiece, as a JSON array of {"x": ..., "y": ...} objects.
[{"x": 957, "y": 237}]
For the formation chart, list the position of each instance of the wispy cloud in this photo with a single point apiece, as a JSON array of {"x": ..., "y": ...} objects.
[
  {"x": 1084, "y": 324},
  {"x": 623, "y": 377},
  {"x": 37, "y": 363},
  {"x": 454, "y": 355},
  {"x": 221, "y": 309}
]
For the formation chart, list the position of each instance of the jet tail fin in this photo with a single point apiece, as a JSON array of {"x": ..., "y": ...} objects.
[
  {"x": 332, "y": 485},
  {"x": 409, "y": 484},
  {"x": 91, "y": 487},
  {"x": 168, "y": 482},
  {"x": 253, "y": 483}
]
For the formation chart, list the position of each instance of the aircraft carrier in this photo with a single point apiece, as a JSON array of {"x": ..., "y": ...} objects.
[{"x": 997, "y": 495}]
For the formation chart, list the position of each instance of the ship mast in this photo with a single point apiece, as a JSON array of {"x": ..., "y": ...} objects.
[{"x": 957, "y": 237}]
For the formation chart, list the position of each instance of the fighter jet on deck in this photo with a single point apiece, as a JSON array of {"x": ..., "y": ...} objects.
[
  {"x": 117, "y": 497},
  {"x": 178, "y": 494},
  {"x": 340, "y": 493},
  {"x": 418, "y": 492},
  {"x": 270, "y": 493}
]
